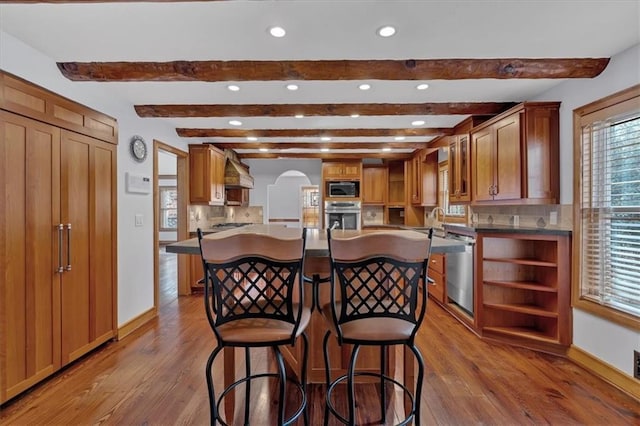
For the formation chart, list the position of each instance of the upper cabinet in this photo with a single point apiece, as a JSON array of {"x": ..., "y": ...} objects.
[
  {"x": 460, "y": 160},
  {"x": 514, "y": 156},
  {"x": 459, "y": 169},
  {"x": 414, "y": 178},
  {"x": 429, "y": 186},
  {"x": 344, "y": 170},
  {"x": 374, "y": 185},
  {"x": 206, "y": 175}
]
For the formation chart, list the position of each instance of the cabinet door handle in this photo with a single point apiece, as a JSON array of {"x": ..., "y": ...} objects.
[
  {"x": 60, "y": 267},
  {"x": 68, "y": 268}
]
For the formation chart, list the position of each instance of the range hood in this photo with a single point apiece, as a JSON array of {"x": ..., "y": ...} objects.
[{"x": 236, "y": 174}]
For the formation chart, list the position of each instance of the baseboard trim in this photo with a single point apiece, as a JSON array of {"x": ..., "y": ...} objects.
[
  {"x": 137, "y": 322},
  {"x": 605, "y": 371}
]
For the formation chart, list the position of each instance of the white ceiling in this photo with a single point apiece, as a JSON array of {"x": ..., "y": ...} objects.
[{"x": 317, "y": 30}]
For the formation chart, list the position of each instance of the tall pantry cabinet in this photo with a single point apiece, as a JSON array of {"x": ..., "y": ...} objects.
[{"x": 57, "y": 233}]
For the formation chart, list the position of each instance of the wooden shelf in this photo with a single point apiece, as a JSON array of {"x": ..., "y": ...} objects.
[
  {"x": 521, "y": 332},
  {"x": 523, "y": 285},
  {"x": 523, "y": 308},
  {"x": 522, "y": 261}
]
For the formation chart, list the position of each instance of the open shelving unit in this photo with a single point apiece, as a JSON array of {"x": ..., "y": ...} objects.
[{"x": 524, "y": 292}]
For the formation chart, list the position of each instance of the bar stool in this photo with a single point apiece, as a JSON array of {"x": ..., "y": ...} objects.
[
  {"x": 251, "y": 285},
  {"x": 375, "y": 301}
]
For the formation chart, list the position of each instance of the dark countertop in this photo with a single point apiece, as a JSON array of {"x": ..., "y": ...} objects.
[
  {"x": 504, "y": 229},
  {"x": 316, "y": 239}
]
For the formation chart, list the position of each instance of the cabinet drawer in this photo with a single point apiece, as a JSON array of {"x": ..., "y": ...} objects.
[
  {"x": 436, "y": 289},
  {"x": 436, "y": 263}
]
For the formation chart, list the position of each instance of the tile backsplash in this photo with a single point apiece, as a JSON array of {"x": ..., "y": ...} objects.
[
  {"x": 208, "y": 216},
  {"x": 525, "y": 216},
  {"x": 372, "y": 215}
]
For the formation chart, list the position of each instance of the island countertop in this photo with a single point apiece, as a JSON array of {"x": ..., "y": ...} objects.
[{"x": 316, "y": 239}]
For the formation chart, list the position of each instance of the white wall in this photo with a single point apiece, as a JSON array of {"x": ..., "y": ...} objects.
[
  {"x": 605, "y": 340},
  {"x": 265, "y": 172},
  {"x": 135, "y": 244}
]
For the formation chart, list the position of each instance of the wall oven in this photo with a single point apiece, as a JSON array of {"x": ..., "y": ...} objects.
[{"x": 342, "y": 214}]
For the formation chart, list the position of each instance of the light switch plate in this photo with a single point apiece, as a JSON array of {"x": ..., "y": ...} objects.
[
  {"x": 553, "y": 218},
  {"x": 139, "y": 221}
]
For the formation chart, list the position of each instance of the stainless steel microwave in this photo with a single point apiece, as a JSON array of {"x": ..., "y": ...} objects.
[{"x": 344, "y": 189}]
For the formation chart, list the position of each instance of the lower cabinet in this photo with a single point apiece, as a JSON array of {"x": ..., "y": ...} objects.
[
  {"x": 57, "y": 245},
  {"x": 524, "y": 282},
  {"x": 437, "y": 289}
]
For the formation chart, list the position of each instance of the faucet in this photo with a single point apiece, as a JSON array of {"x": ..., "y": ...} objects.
[
  {"x": 432, "y": 215},
  {"x": 335, "y": 225}
]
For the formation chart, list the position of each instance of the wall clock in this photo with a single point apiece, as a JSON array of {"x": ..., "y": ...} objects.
[{"x": 138, "y": 148}]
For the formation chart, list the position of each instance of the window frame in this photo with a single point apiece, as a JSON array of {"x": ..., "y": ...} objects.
[
  {"x": 162, "y": 209},
  {"x": 609, "y": 106}
]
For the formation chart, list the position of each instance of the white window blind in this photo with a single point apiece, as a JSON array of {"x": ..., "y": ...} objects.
[{"x": 610, "y": 207}]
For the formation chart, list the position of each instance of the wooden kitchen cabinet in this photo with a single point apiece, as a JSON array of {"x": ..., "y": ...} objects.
[
  {"x": 59, "y": 279},
  {"x": 206, "y": 175},
  {"x": 437, "y": 268},
  {"x": 515, "y": 156},
  {"x": 459, "y": 169},
  {"x": 374, "y": 185},
  {"x": 414, "y": 178},
  {"x": 429, "y": 186},
  {"x": 524, "y": 289},
  {"x": 237, "y": 197},
  {"x": 344, "y": 170}
]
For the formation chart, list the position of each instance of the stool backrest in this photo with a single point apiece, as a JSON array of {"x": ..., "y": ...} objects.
[
  {"x": 253, "y": 276},
  {"x": 379, "y": 274}
]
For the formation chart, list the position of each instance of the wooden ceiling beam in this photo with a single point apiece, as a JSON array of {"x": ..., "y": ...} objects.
[
  {"x": 300, "y": 133},
  {"x": 290, "y": 110},
  {"x": 317, "y": 145},
  {"x": 327, "y": 155},
  {"x": 406, "y": 69}
]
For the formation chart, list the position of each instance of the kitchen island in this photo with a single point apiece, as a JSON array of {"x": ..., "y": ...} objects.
[{"x": 317, "y": 267}]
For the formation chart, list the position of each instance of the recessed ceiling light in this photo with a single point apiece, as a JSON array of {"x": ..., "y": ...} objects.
[
  {"x": 252, "y": 138},
  {"x": 386, "y": 149},
  {"x": 399, "y": 138},
  {"x": 324, "y": 149},
  {"x": 386, "y": 31},
  {"x": 263, "y": 149},
  {"x": 233, "y": 87},
  {"x": 355, "y": 115},
  {"x": 423, "y": 86},
  {"x": 292, "y": 86},
  {"x": 417, "y": 123},
  {"x": 277, "y": 32},
  {"x": 325, "y": 138},
  {"x": 364, "y": 86},
  {"x": 299, "y": 115},
  {"x": 235, "y": 122}
]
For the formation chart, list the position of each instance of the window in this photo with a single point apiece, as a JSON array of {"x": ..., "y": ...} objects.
[
  {"x": 607, "y": 207},
  {"x": 168, "y": 208},
  {"x": 452, "y": 210}
]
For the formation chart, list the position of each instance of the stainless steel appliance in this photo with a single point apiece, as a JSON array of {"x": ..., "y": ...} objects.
[
  {"x": 342, "y": 214},
  {"x": 460, "y": 273},
  {"x": 344, "y": 189}
]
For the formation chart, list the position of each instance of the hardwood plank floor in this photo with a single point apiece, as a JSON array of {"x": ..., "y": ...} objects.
[{"x": 155, "y": 376}]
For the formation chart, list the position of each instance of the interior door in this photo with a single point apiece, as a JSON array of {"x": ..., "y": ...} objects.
[{"x": 30, "y": 282}]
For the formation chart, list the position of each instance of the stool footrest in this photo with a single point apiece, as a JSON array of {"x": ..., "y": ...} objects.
[
  {"x": 386, "y": 379},
  {"x": 232, "y": 386}
]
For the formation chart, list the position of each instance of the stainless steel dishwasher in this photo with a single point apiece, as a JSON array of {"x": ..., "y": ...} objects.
[{"x": 460, "y": 273}]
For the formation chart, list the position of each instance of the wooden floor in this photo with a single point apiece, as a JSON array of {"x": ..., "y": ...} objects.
[{"x": 156, "y": 377}]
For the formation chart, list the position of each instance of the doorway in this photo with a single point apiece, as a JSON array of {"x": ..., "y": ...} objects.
[{"x": 165, "y": 217}]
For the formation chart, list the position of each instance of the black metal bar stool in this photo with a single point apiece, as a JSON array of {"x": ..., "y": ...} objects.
[
  {"x": 251, "y": 282},
  {"x": 375, "y": 301}
]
